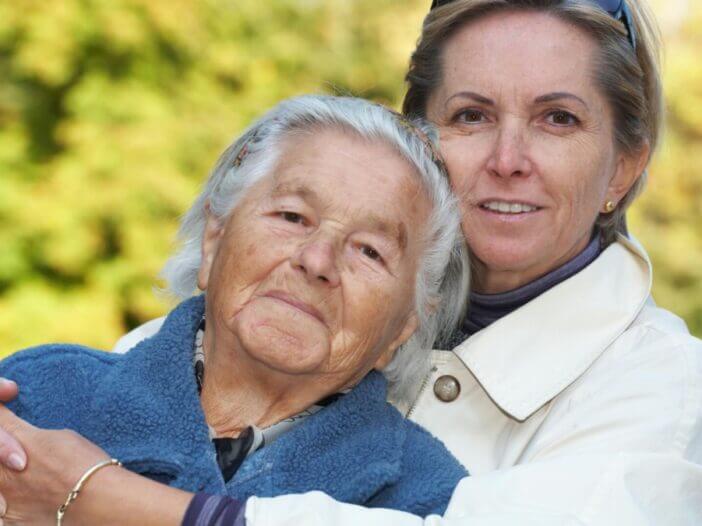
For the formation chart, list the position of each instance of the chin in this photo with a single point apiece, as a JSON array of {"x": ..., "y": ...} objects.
[
  {"x": 281, "y": 337},
  {"x": 290, "y": 359},
  {"x": 284, "y": 348},
  {"x": 508, "y": 255}
]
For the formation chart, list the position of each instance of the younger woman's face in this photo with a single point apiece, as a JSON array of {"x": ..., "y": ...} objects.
[{"x": 528, "y": 141}]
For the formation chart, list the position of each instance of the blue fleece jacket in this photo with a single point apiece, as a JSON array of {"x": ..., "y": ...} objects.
[{"x": 143, "y": 408}]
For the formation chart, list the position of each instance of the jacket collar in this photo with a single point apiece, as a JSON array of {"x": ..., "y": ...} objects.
[
  {"x": 352, "y": 449},
  {"x": 150, "y": 417},
  {"x": 528, "y": 357},
  {"x": 148, "y": 407}
]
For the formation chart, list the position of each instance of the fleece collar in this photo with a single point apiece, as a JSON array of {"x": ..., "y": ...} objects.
[{"x": 150, "y": 417}]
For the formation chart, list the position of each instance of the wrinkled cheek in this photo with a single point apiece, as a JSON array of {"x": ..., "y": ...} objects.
[
  {"x": 584, "y": 204},
  {"x": 354, "y": 352},
  {"x": 282, "y": 337},
  {"x": 379, "y": 322}
]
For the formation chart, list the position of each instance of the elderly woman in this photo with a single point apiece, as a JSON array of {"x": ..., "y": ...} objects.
[
  {"x": 567, "y": 393},
  {"x": 327, "y": 243}
]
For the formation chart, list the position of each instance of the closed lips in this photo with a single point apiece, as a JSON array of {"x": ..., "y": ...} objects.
[{"x": 300, "y": 305}]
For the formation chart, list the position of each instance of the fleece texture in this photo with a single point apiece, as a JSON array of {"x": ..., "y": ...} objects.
[{"x": 143, "y": 408}]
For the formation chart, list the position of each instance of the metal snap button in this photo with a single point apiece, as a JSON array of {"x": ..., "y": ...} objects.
[{"x": 447, "y": 388}]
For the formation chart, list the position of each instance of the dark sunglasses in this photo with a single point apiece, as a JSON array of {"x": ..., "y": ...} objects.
[{"x": 617, "y": 9}]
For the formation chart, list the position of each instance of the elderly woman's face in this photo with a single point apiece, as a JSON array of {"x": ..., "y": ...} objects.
[
  {"x": 528, "y": 142},
  {"x": 313, "y": 272}
]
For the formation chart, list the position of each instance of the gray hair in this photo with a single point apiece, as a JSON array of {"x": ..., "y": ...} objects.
[
  {"x": 441, "y": 285},
  {"x": 629, "y": 78}
]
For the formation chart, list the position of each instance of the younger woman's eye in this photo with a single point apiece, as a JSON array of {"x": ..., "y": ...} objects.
[
  {"x": 292, "y": 217},
  {"x": 371, "y": 253},
  {"x": 470, "y": 116},
  {"x": 562, "y": 118}
]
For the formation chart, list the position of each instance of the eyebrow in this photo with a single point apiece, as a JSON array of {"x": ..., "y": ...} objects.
[
  {"x": 477, "y": 97},
  {"x": 295, "y": 189},
  {"x": 398, "y": 232},
  {"x": 549, "y": 97},
  {"x": 557, "y": 95}
]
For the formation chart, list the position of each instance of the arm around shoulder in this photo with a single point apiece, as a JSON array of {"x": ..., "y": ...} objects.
[{"x": 621, "y": 446}]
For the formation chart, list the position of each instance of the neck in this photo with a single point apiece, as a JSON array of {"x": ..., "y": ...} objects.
[
  {"x": 239, "y": 391},
  {"x": 488, "y": 280},
  {"x": 485, "y": 309}
]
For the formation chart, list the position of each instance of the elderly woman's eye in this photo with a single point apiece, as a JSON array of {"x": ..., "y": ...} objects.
[
  {"x": 292, "y": 217},
  {"x": 562, "y": 118},
  {"x": 371, "y": 253}
]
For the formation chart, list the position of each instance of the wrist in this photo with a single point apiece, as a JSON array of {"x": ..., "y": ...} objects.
[
  {"x": 118, "y": 497},
  {"x": 80, "y": 485}
]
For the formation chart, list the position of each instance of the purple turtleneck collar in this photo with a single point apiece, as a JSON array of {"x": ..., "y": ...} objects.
[{"x": 484, "y": 309}]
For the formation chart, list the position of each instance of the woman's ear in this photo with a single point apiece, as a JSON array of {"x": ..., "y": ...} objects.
[
  {"x": 629, "y": 168},
  {"x": 210, "y": 243},
  {"x": 407, "y": 331}
]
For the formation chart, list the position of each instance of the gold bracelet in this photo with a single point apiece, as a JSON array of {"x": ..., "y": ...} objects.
[{"x": 73, "y": 495}]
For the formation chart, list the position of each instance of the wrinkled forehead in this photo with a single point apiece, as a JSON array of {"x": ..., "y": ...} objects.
[
  {"x": 353, "y": 178},
  {"x": 519, "y": 52},
  {"x": 327, "y": 160}
]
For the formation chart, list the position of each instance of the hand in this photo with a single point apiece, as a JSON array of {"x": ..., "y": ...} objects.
[
  {"x": 12, "y": 454},
  {"x": 56, "y": 460},
  {"x": 34, "y": 487}
]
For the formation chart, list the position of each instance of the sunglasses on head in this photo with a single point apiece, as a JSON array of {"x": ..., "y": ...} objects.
[{"x": 617, "y": 9}]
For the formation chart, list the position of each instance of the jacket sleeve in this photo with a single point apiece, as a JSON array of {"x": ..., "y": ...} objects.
[
  {"x": 629, "y": 490},
  {"x": 589, "y": 466}
]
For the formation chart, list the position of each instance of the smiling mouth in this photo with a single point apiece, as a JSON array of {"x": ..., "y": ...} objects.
[
  {"x": 509, "y": 207},
  {"x": 294, "y": 302}
]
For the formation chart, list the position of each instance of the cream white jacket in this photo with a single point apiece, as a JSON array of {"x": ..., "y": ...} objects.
[{"x": 582, "y": 407}]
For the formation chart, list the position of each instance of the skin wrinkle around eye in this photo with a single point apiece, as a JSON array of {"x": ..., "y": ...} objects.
[
  {"x": 387, "y": 239},
  {"x": 547, "y": 100},
  {"x": 372, "y": 221}
]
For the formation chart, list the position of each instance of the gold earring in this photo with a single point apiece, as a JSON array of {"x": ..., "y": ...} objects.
[{"x": 609, "y": 207}]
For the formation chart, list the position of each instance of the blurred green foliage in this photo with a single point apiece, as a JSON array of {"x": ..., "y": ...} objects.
[
  {"x": 667, "y": 218},
  {"x": 111, "y": 114}
]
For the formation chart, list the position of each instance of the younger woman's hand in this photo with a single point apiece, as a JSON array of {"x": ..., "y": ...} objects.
[
  {"x": 12, "y": 454},
  {"x": 56, "y": 461},
  {"x": 39, "y": 467}
]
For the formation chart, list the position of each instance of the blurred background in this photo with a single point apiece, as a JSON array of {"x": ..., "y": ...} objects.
[{"x": 112, "y": 113}]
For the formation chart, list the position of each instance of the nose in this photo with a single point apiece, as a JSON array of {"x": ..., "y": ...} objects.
[
  {"x": 317, "y": 260},
  {"x": 509, "y": 157}
]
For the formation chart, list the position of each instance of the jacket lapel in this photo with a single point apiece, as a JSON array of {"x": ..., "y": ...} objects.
[{"x": 525, "y": 359}]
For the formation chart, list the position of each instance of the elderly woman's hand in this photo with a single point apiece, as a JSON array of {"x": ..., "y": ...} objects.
[{"x": 57, "y": 459}]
